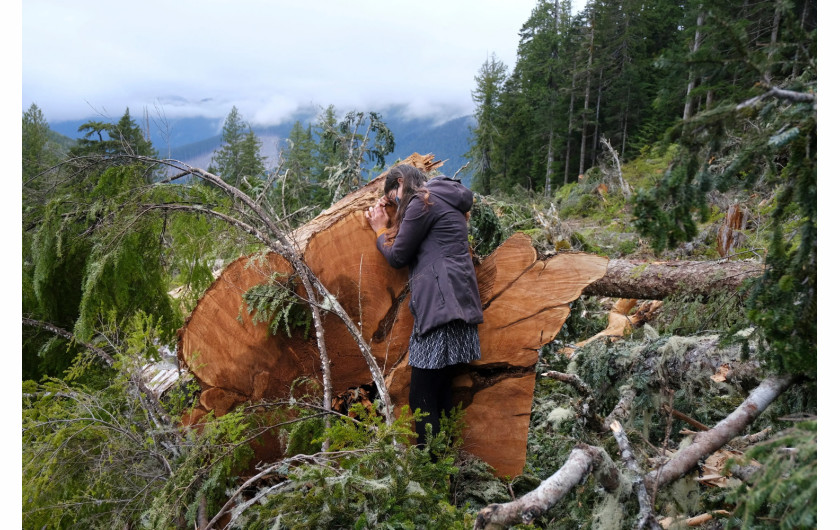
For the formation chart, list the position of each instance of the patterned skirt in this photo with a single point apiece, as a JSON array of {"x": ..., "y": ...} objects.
[{"x": 451, "y": 343}]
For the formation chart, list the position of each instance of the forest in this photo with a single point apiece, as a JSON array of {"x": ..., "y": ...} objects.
[{"x": 673, "y": 144}]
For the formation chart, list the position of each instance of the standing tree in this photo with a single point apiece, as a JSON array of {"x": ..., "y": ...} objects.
[
  {"x": 108, "y": 139},
  {"x": 484, "y": 137},
  {"x": 238, "y": 157},
  {"x": 298, "y": 189}
]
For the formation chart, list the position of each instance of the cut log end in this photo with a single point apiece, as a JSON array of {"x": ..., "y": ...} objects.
[{"x": 525, "y": 303}]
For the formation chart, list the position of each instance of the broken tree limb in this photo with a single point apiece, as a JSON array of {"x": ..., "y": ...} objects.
[
  {"x": 707, "y": 442},
  {"x": 657, "y": 281},
  {"x": 583, "y": 460},
  {"x": 571, "y": 379},
  {"x": 684, "y": 417},
  {"x": 622, "y": 410},
  {"x": 646, "y": 518}
]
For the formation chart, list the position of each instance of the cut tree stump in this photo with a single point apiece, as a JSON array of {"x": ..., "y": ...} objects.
[{"x": 525, "y": 298}]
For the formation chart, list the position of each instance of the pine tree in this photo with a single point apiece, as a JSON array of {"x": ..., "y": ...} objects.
[
  {"x": 35, "y": 135},
  {"x": 298, "y": 187},
  {"x": 239, "y": 155},
  {"x": 484, "y": 137},
  {"x": 345, "y": 145},
  {"x": 111, "y": 139}
]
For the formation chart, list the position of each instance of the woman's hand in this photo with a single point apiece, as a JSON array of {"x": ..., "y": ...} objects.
[{"x": 377, "y": 216}]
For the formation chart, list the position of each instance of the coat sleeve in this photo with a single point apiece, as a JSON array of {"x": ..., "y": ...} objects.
[{"x": 413, "y": 230}]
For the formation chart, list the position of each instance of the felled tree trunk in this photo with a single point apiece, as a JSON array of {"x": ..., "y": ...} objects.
[
  {"x": 525, "y": 299},
  {"x": 658, "y": 280}
]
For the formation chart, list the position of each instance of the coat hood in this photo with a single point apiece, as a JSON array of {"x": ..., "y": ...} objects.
[{"x": 452, "y": 192}]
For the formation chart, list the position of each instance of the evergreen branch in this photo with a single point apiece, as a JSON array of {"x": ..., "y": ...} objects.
[
  {"x": 146, "y": 396},
  {"x": 102, "y": 354}
]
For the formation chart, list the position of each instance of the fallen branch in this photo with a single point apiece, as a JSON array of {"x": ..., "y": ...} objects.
[
  {"x": 646, "y": 516},
  {"x": 622, "y": 409},
  {"x": 583, "y": 460},
  {"x": 684, "y": 417},
  {"x": 570, "y": 379},
  {"x": 780, "y": 93},
  {"x": 706, "y": 443}
]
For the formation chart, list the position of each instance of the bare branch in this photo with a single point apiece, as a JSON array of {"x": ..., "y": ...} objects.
[
  {"x": 707, "y": 442},
  {"x": 646, "y": 516},
  {"x": 583, "y": 460}
]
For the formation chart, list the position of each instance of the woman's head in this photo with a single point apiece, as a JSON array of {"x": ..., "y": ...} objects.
[
  {"x": 409, "y": 176},
  {"x": 401, "y": 184}
]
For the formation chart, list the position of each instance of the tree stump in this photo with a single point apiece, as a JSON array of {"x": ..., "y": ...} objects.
[{"x": 525, "y": 300}]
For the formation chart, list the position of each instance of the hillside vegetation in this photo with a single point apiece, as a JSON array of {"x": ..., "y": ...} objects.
[{"x": 640, "y": 130}]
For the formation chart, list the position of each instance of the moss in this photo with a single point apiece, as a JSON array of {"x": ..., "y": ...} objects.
[
  {"x": 638, "y": 270},
  {"x": 610, "y": 513},
  {"x": 560, "y": 415},
  {"x": 681, "y": 497}
]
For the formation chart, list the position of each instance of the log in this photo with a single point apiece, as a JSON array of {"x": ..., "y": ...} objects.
[
  {"x": 658, "y": 280},
  {"x": 525, "y": 299}
]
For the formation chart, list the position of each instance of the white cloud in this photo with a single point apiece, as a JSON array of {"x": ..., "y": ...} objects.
[{"x": 268, "y": 57}]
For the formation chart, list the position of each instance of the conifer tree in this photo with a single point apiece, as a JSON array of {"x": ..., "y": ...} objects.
[
  {"x": 35, "y": 136},
  {"x": 239, "y": 155},
  {"x": 484, "y": 137},
  {"x": 298, "y": 186},
  {"x": 106, "y": 139}
]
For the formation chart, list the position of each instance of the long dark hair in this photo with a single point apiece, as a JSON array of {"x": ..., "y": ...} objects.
[{"x": 414, "y": 183}]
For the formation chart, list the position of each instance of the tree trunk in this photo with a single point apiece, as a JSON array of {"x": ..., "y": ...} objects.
[
  {"x": 707, "y": 442},
  {"x": 586, "y": 98},
  {"x": 570, "y": 129},
  {"x": 549, "y": 164},
  {"x": 525, "y": 299},
  {"x": 593, "y": 156},
  {"x": 656, "y": 281},
  {"x": 696, "y": 46}
]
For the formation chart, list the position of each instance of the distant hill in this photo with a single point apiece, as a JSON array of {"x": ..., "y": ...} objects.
[{"x": 193, "y": 140}]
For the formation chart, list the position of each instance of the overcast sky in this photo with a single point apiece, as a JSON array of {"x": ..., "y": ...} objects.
[{"x": 267, "y": 57}]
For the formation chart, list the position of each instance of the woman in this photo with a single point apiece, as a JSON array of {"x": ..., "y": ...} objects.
[{"x": 429, "y": 234}]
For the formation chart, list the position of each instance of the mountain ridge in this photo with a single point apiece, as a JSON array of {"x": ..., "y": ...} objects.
[{"x": 193, "y": 140}]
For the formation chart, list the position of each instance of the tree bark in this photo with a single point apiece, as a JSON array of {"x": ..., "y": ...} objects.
[
  {"x": 525, "y": 299},
  {"x": 586, "y": 94},
  {"x": 687, "y": 111},
  {"x": 571, "y": 126},
  {"x": 707, "y": 442},
  {"x": 658, "y": 280},
  {"x": 583, "y": 460}
]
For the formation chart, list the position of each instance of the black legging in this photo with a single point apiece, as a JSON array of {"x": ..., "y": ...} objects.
[{"x": 431, "y": 391}]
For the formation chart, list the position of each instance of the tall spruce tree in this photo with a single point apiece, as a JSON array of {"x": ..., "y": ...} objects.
[
  {"x": 239, "y": 155},
  {"x": 484, "y": 137},
  {"x": 298, "y": 187}
]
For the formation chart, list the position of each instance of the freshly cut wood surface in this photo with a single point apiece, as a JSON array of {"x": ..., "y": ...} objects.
[{"x": 526, "y": 301}]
